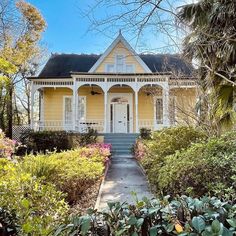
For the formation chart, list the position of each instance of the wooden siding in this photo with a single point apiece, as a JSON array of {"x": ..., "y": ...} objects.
[
  {"x": 53, "y": 103},
  {"x": 129, "y": 59}
]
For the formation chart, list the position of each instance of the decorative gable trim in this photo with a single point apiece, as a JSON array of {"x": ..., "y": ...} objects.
[{"x": 121, "y": 39}]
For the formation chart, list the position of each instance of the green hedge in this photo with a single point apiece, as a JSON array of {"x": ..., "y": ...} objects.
[
  {"x": 182, "y": 160},
  {"x": 49, "y": 141},
  {"x": 204, "y": 168},
  {"x": 166, "y": 142}
]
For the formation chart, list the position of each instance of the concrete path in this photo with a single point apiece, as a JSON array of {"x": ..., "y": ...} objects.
[{"x": 123, "y": 177}]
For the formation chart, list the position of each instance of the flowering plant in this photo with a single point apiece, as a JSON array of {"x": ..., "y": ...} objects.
[
  {"x": 98, "y": 149},
  {"x": 103, "y": 148},
  {"x": 7, "y": 146},
  {"x": 139, "y": 150}
]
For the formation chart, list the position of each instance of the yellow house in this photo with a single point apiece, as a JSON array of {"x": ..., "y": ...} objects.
[{"x": 119, "y": 91}]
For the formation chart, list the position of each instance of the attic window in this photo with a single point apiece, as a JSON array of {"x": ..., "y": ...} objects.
[
  {"x": 120, "y": 61},
  {"x": 129, "y": 68},
  {"x": 110, "y": 68}
]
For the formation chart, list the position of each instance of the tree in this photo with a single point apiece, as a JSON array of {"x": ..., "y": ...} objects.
[
  {"x": 212, "y": 44},
  {"x": 21, "y": 25}
]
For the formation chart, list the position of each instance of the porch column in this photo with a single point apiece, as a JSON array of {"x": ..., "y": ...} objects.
[
  {"x": 32, "y": 92},
  {"x": 105, "y": 111},
  {"x": 41, "y": 118},
  {"x": 136, "y": 111},
  {"x": 166, "y": 98}
]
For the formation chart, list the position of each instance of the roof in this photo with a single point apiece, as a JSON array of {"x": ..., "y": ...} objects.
[{"x": 61, "y": 65}]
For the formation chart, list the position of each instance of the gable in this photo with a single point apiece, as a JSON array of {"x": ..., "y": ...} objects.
[
  {"x": 129, "y": 59},
  {"x": 120, "y": 47}
]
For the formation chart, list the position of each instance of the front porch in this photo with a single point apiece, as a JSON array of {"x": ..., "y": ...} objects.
[{"x": 108, "y": 103}]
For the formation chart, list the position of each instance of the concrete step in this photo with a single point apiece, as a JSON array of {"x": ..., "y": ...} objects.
[
  {"x": 127, "y": 150},
  {"x": 121, "y": 143}
]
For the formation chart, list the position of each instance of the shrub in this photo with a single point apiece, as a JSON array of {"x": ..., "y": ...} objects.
[
  {"x": 75, "y": 173},
  {"x": 204, "y": 168},
  {"x": 89, "y": 137},
  {"x": 8, "y": 223},
  {"x": 72, "y": 172},
  {"x": 181, "y": 216},
  {"x": 7, "y": 146},
  {"x": 166, "y": 142},
  {"x": 49, "y": 141},
  {"x": 145, "y": 133},
  {"x": 39, "y": 207},
  {"x": 43, "y": 141},
  {"x": 139, "y": 149}
]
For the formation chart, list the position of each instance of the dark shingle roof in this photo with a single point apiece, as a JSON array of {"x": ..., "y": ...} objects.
[
  {"x": 167, "y": 63},
  {"x": 60, "y": 65},
  {"x": 63, "y": 64}
]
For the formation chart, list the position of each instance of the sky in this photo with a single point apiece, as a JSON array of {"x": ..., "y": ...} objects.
[{"x": 68, "y": 31}]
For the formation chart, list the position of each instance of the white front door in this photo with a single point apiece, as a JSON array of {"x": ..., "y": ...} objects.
[{"x": 120, "y": 118}]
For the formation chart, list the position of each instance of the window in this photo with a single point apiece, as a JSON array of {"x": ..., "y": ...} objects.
[
  {"x": 159, "y": 111},
  {"x": 68, "y": 110},
  {"x": 120, "y": 63},
  {"x": 110, "y": 68},
  {"x": 172, "y": 110},
  {"x": 81, "y": 108},
  {"x": 120, "y": 100},
  {"x": 129, "y": 68}
]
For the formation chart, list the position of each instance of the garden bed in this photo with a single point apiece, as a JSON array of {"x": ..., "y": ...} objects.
[
  {"x": 39, "y": 191},
  {"x": 185, "y": 161}
]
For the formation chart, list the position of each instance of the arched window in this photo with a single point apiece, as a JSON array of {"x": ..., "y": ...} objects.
[
  {"x": 120, "y": 100},
  {"x": 159, "y": 110}
]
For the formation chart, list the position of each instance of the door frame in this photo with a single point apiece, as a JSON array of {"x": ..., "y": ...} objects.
[{"x": 129, "y": 97}]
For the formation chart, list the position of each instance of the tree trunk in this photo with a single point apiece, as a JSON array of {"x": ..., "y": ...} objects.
[{"x": 9, "y": 111}]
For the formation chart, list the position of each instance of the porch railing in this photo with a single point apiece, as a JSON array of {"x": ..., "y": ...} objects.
[
  {"x": 84, "y": 125},
  {"x": 150, "y": 124},
  {"x": 80, "y": 126},
  {"x": 146, "y": 123}
]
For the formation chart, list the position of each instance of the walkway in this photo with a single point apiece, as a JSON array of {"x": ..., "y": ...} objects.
[{"x": 123, "y": 177}]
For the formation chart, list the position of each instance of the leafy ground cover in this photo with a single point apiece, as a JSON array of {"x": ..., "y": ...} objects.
[{"x": 181, "y": 216}]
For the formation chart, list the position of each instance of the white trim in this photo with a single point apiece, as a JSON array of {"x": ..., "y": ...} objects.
[
  {"x": 121, "y": 39},
  {"x": 129, "y": 96}
]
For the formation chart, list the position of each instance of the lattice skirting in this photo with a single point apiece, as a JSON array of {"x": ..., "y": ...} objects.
[{"x": 17, "y": 130}]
